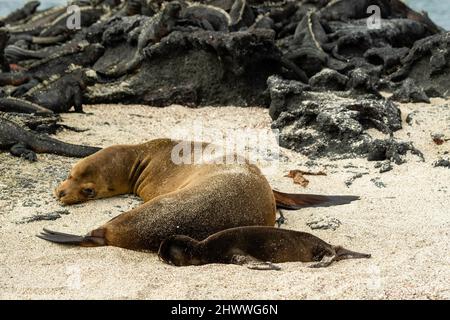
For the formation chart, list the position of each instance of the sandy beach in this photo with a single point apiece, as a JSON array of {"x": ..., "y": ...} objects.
[{"x": 402, "y": 219}]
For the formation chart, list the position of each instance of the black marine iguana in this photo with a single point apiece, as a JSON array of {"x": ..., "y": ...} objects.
[
  {"x": 63, "y": 93},
  {"x": 10, "y": 104},
  {"x": 83, "y": 54},
  {"x": 357, "y": 9},
  {"x": 36, "y": 23},
  {"x": 152, "y": 31},
  {"x": 22, "y": 13},
  {"x": 206, "y": 17},
  {"x": 13, "y": 78},
  {"x": 25, "y": 143}
]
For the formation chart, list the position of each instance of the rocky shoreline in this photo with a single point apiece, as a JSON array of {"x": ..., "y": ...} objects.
[{"x": 319, "y": 65}]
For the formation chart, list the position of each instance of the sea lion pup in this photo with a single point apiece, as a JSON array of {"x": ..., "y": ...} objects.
[
  {"x": 255, "y": 246},
  {"x": 196, "y": 200}
]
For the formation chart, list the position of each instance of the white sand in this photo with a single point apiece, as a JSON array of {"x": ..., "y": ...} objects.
[{"x": 405, "y": 226}]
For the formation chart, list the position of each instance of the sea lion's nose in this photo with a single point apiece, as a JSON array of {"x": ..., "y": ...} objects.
[{"x": 61, "y": 194}]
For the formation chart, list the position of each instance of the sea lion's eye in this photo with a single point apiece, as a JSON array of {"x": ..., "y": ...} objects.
[{"x": 88, "y": 192}]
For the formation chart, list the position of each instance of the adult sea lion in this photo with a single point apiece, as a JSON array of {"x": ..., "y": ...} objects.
[
  {"x": 257, "y": 246},
  {"x": 196, "y": 200}
]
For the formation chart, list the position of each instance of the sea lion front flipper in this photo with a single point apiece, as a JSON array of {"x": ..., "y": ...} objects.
[
  {"x": 253, "y": 263},
  {"x": 281, "y": 219},
  {"x": 263, "y": 266},
  {"x": 325, "y": 262}
]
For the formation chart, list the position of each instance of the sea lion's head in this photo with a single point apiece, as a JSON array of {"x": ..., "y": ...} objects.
[
  {"x": 179, "y": 251},
  {"x": 101, "y": 175}
]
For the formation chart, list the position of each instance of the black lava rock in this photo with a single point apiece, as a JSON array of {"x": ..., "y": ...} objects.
[{"x": 410, "y": 92}]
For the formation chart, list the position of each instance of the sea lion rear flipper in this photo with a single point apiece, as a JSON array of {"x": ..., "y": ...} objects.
[
  {"x": 295, "y": 201},
  {"x": 253, "y": 263},
  {"x": 342, "y": 253},
  {"x": 65, "y": 238}
]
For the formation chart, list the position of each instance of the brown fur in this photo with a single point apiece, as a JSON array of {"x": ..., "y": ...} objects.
[
  {"x": 196, "y": 200},
  {"x": 252, "y": 244}
]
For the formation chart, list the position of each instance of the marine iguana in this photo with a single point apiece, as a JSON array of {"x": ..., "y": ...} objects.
[
  {"x": 241, "y": 15},
  {"x": 25, "y": 143},
  {"x": 152, "y": 31},
  {"x": 38, "y": 21},
  {"x": 83, "y": 54},
  {"x": 262, "y": 22},
  {"x": 199, "y": 67},
  {"x": 22, "y": 13},
  {"x": 13, "y": 78},
  {"x": 63, "y": 93},
  {"x": 41, "y": 40},
  {"x": 353, "y": 38},
  {"x": 20, "y": 50},
  {"x": 208, "y": 17},
  {"x": 15, "y": 54},
  {"x": 58, "y": 26},
  {"x": 10, "y": 104},
  {"x": 344, "y": 10},
  {"x": 20, "y": 90},
  {"x": 306, "y": 48},
  {"x": 135, "y": 7}
]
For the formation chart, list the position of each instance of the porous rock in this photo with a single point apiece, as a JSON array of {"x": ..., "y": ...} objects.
[{"x": 329, "y": 123}]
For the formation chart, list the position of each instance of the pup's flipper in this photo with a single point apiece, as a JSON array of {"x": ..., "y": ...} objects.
[
  {"x": 253, "y": 263},
  {"x": 340, "y": 254}
]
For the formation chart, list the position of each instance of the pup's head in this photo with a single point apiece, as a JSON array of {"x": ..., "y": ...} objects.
[{"x": 179, "y": 251}]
